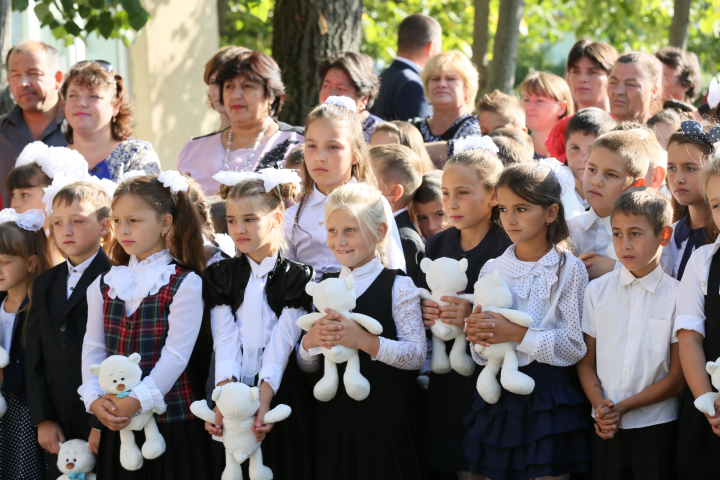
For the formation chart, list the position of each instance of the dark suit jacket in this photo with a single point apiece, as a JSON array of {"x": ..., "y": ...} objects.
[
  {"x": 56, "y": 328},
  {"x": 14, "y": 373},
  {"x": 401, "y": 95},
  {"x": 412, "y": 245}
]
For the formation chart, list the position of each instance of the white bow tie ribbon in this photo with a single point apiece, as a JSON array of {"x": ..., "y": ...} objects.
[
  {"x": 539, "y": 279},
  {"x": 135, "y": 283}
]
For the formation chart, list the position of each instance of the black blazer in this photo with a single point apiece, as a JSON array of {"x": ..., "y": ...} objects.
[
  {"x": 56, "y": 328},
  {"x": 14, "y": 373},
  {"x": 401, "y": 95},
  {"x": 412, "y": 244}
]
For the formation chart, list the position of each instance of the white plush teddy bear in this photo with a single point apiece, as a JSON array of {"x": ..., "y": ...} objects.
[
  {"x": 75, "y": 461},
  {"x": 446, "y": 277},
  {"x": 119, "y": 375},
  {"x": 4, "y": 361},
  {"x": 338, "y": 295},
  {"x": 706, "y": 403},
  {"x": 493, "y": 294},
  {"x": 238, "y": 404}
]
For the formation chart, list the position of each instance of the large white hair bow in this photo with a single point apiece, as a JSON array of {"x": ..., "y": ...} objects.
[
  {"x": 230, "y": 178},
  {"x": 713, "y": 97},
  {"x": 31, "y": 220},
  {"x": 58, "y": 182},
  {"x": 473, "y": 142},
  {"x": 30, "y": 153},
  {"x": 131, "y": 174},
  {"x": 56, "y": 160},
  {"x": 226, "y": 244},
  {"x": 272, "y": 177},
  {"x": 565, "y": 178},
  {"x": 346, "y": 102},
  {"x": 108, "y": 185},
  {"x": 174, "y": 180}
]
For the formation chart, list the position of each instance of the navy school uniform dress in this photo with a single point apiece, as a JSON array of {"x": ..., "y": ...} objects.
[
  {"x": 287, "y": 449},
  {"x": 452, "y": 393},
  {"x": 698, "y": 446}
]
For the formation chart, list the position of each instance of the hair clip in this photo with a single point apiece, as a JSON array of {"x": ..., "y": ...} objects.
[
  {"x": 713, "y": 97},
  {"x": 31, "y": 220},
  {"x": 174, "y": 180},
  {"x": 563, "y": 175},
  {"x": 474, "y": 142},
  {"x": 341, "y": 101},
  {"x": 693, "y": 128}
]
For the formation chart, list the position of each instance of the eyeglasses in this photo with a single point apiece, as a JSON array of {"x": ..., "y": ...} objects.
[{"x": 107, "y": 66}]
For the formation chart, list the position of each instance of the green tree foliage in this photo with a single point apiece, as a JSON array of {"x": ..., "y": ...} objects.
[
  {"x": 547, "y": 31},
  {"x": 70, "y": 19}
]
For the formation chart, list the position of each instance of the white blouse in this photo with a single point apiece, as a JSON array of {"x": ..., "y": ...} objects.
[
  {"x": 693, "y": 288},
  {"x": 132, "y": 284},
  {"x": 408, "y": 351},
  {"x": 254, "y": 340},
  {"x": 7, "y": 323},
  {"x": 309, "y": 238},
  {"x": 553, "y": 295}
]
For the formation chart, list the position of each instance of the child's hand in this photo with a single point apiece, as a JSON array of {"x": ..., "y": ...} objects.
[
  {"x": 105, "y": 411},
  {"x": 216, "y": 428},
  {"x": 502, "y": 329},
  {"x": 324, "y": 330},
  {"x": 260, "y": 428},
  {"x": 607, "y": 419},
  {"x": 455, "y": 313},
  {"x": 430, "y": 312},
  {"x": 126, "y": 407},
  {"x": 94, "y": 441},
  {"x": 598, "y": 265},
  {"x": 50, "y": 435},
  {"x": 474, "y": 326},
  {"x": 350, "y": 334}
]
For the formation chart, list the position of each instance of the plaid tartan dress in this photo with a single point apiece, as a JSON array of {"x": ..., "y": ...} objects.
[{"x": 145, "y": 332}]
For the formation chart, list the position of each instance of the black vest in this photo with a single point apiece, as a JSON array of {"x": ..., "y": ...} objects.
[
  {"x": 388, "y": 385},
  {"x": 711, "y": 344}
]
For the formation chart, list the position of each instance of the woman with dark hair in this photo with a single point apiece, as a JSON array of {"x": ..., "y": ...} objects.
[
  {"x": 588, "y": 66},
  {"x": 212, "y": 67},
  {"x": 252, "y": 91},
  {"x": 351, "y": 74},
  {"x": 100, "y": 122},
  {"x": 681, "y": 74}
]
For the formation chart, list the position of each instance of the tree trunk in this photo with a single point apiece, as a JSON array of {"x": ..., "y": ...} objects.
[
  {"x": 222, "y": 6},
  {"x": 304, "y": 33},
  {"x": 502, "y": 69},
  {"x": 480, "y": 39},
  {"x": 679, "y": 25},
  {"x": 6, "y": 101}
]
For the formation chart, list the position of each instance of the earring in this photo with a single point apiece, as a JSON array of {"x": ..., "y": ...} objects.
[{"x": 113, "y": 120}]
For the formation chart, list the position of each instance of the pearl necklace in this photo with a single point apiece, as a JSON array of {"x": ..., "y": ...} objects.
[{"x": 255, "y": 146}]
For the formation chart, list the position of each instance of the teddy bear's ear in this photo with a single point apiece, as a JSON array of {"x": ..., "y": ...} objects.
[
  {"x": 310, "y": 288},
  {"x": 711, "y": 367},
  {"x": 60, "y": 444},
  {"x": 95, "y": 369},
  {"x": 463, "y": 265},
  {"x": 216, "y": 394},
  {"x": 135, "y": 358},
  {"x": 255, "y": 393},
  {"x": 350, "y": 282},
  {"x": 425, "y": 264}
]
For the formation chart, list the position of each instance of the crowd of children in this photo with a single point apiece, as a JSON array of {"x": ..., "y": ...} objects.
[{"x": 210, "y": 291}]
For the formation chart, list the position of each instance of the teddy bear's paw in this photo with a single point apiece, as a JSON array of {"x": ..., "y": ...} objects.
[
  {"x": 130, "y": 457},
  {"x": 517, "y": 382},
  {"x": 357, "y": 387},
  {"x": 325, "y": 389},
  {"x": 153, "y": 447},
  {"x": 462, "y": 363},
  {"x": 3, "y": 405},
  {"x": 440, "y": 363},
  {"x": 489, "y": 389},
  {"x": 261, "y": 473}
]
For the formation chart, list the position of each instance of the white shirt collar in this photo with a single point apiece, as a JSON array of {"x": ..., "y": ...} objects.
[
  {"x": 395, "y": 214},
  {"x": 317, "y": 196},
  {"x": 373, "y": 266},
  {"x": 649, "y": 281},
  {"x": 591, "y": 218},
  {"x": 408, "y": 62},
  {"x": 161, "y": 258},
  {"x": 265, "y": 267},
  {"x": 79, "y": 269}
]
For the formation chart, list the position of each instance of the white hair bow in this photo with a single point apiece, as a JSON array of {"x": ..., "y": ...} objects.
[
  {"x": 174, "y": 180},
  {"x": 31, "y": 220},
  {"x": 473, "y": 142},
  {"x": 108, "y": 185},
  {"x": 56, "y": 160},
  {"x": 564, "y": 178},
  {"x": 58, "y": 182},
  {"x": 346, "y": 102},
  {"x": 30, "y": 153},
  {"x": 131, "y": 174},
  {"x": 713, "y": 97},
  {"x": 226, "y": 244},
  {"x": 272, "y": 177},
  {"x": 230, "y": 178}
]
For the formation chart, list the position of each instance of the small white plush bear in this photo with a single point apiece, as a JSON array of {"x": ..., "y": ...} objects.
[
  {"x": 118, "y": 375},
  {"x": 75, "y": 461},
  {"x": 493, "y": 294},
  {"x": 238, "y": 404},
  {"x": 446, "y": 277},
  {"x": 338, "y": 295},
  {"x": 4, "y": 361},
  {"x": 706, "y": 403}
]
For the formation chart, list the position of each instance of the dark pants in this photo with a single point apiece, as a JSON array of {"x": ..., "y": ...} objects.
[
  {"x": 636, "y": 454},
  {"x": 71, "y": 431}
]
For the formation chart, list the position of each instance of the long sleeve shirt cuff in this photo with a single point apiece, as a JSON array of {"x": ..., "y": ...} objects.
[
  {"x": 387, "y": 353},
  {"x": 530, "y": 342},
  {"x": 89, "y": 392},
  {"x": 272, "y": 375},
  {"x": 307, "y": 362},
  {"x": 689, "y": 322},
  {"x": 479, "y": 359},
  {"x": 226, "y": 370},
  {"x": 150, "y": 398}
]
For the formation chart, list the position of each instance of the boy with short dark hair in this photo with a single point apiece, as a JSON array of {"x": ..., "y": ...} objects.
[
  {"x": 427, "y": 205},
  {"x": 497, "y": 110},
  {"x": 58, "y": 316},
  {"x": 631, "y": 373}
]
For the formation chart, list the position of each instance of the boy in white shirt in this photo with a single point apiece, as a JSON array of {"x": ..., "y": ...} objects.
[
  {"x": 631, "y": 372},
  {"x": 617, "y": 161}
]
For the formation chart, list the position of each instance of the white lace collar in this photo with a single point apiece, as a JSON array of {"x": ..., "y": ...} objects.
[
  {"x": 365, "y": 275},
  {"x": 140, "y": 278},
  {"x": 265, "y": 267},
  {"x": 701, "y": 259}
]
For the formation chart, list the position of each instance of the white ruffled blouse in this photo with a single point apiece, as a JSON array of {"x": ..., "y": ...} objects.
[
  {"x": 409, "y": 350},
  {"x": 253, "y": 340},
  {"x": 132, "y": 284}
]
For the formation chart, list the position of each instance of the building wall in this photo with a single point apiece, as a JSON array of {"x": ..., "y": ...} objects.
[{"x": 166, "y": 64}]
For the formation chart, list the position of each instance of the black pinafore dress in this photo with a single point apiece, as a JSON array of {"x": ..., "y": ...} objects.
[
  {"x": 377, "y": 438},
  {"x": 698, "y": 446}
]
